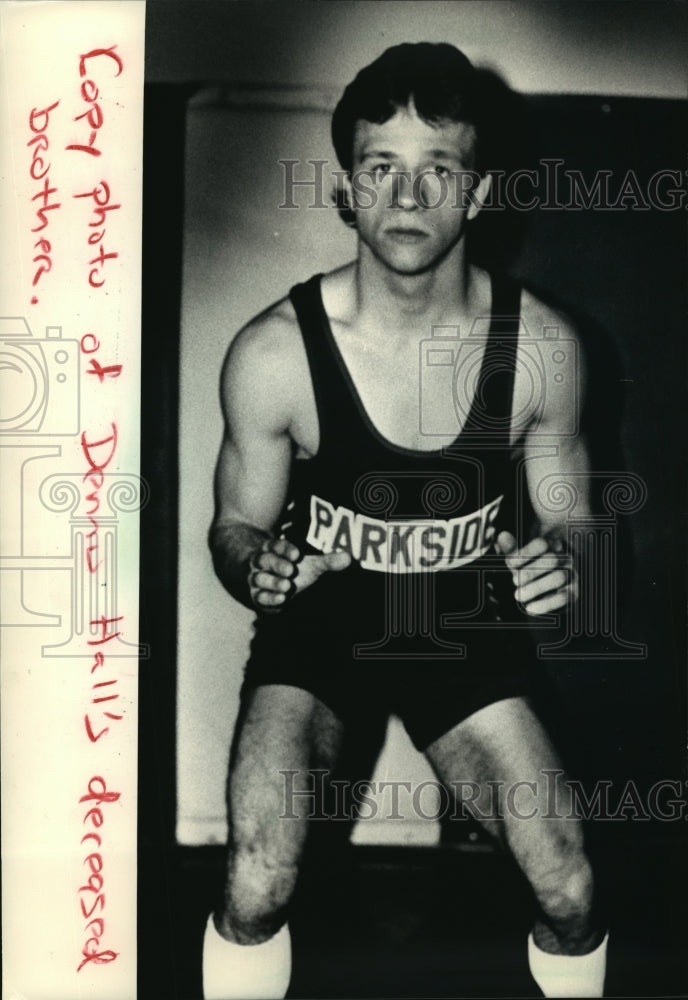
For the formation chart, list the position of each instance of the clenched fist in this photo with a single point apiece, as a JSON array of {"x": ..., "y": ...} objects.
[
  {"x": 543, "y": 573},
  {"x": 278, "y": 571}
]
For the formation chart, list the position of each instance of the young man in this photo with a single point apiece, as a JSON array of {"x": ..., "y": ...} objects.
[{"x": 364, "y": 509}]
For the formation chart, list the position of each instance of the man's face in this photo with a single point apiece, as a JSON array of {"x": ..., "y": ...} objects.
[{"x": 406, "y": 189}]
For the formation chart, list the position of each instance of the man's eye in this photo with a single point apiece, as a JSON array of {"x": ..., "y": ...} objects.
[
  {"x": 380, "y": 169},
  {"x": 441, "y": 170}
]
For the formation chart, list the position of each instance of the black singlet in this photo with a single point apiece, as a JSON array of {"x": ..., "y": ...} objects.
[{"x": 424, "y": 584}]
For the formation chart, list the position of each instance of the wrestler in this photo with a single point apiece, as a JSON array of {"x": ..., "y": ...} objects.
[{"x": 331, "y": 496}]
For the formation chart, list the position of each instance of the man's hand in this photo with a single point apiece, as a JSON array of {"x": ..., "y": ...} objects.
[
  {"x": 542, "y": 571},
  {"x": 278, "y": 572}
]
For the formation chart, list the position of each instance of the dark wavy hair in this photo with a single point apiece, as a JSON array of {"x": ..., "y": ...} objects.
[
  {"x": 438, "y": 78},
  {"x": 442, "y": 83}
]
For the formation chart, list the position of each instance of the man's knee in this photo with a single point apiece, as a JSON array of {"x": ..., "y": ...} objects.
[
  {"x": 566, "y": 892},
  {"x": 264, "y": 852},
  {"x": 259, "y": 888},
  {"x": 554, "y": 860}
]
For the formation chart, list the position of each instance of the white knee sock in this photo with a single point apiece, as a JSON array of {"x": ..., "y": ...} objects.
[
  {"x": 568, "y": 975},
  {"x": 245, "y": 971}
]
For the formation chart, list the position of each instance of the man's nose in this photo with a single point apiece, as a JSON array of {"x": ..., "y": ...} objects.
[
  {"x": 418, "y": 189},
  {"x": 404, "y": 190}
]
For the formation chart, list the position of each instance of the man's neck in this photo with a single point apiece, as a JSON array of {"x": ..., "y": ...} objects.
[{"x": 407, "y": 302}]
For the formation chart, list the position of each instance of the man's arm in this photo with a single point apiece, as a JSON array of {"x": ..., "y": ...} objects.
[
  {"x": 258, "y": 388},
  {"x": 542, "y": 570},
  {"x": 252, "y": 469}
]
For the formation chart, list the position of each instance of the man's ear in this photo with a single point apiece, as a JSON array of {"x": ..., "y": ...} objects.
[
  {"x": 343, "y": 198},
  {"x": 348, "y": 190},
  {"x": 479, "y": 196}
]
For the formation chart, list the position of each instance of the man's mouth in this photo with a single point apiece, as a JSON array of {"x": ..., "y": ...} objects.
[{"x": 404, "y": 234}]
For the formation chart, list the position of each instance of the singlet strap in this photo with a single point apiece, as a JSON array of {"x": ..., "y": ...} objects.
[
  {"x": 338, "y": 414},
  {"x": 490, "y": 414}
]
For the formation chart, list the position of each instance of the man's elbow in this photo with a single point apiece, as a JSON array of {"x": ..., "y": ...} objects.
[
  {"x": 219, "y": 538},
  {"x": 211, "y": 537}
]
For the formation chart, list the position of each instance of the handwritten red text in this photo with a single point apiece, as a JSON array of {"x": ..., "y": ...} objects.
[
  {"x": 89, "y": 94},
  {"x": 89, "y": 345},
  {"x": 91, "y": 895},
  {"x": 39, "y": 168},
  {"x": 98, "y": 455},
  {"x": 104, "y": 692},
  {"x": 102, "y": 204}
]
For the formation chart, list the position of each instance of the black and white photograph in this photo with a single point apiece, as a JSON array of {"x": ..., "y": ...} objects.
[{"x": 413, "y": 718}]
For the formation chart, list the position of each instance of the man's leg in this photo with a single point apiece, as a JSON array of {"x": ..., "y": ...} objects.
[
  {"x": 506, "y": 743},
  {"x": 246, "y": 948}
]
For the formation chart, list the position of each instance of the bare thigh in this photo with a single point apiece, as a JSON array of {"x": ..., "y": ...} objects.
[
  {"x": 504, "y": 751},
  {"x": 283, "y": 734}
]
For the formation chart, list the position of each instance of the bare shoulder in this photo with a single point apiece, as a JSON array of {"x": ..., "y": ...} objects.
[
  {"x": 552, "y": 383},
  {"x": 544, "y": 322},
  {"x": 266, "y": 340},
  {"x": 267, "y": 348},
  {"x": 548, "y": 326},
  {"x": 264, "y": 365}
]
